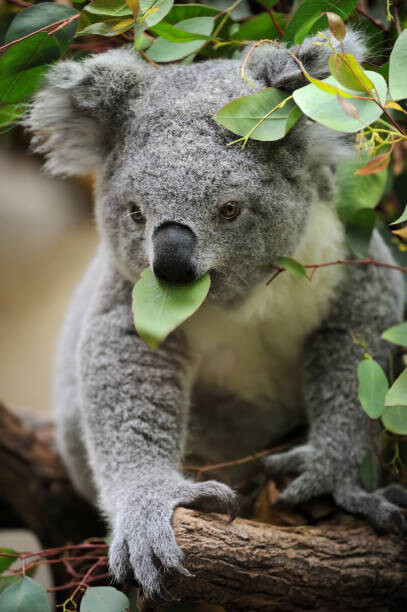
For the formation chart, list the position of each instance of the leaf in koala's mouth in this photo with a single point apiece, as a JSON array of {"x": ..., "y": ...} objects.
[{"x": 159, "y": 308}]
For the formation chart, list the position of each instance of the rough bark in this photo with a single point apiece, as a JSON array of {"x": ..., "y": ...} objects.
[
  {"x": 246, "y": 565},
  {"x": 254, "y": 566}
]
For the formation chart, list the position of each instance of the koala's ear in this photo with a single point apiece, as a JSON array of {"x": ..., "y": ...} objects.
[
  {"x": 80, "y": 107},
  {"x": 274, "y": 67}
]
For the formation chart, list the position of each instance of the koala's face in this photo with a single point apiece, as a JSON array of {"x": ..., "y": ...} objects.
[
  {"x": 170, "y": 192},
  {"x": 174, "y": 196}
]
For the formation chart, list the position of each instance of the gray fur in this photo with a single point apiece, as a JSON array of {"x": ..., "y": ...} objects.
[{"x": 122, "y": 409}]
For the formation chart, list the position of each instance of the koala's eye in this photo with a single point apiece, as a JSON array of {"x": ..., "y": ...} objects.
[
  {"x": 229, "y": 211},
  {"x": 136, "y": 214}
]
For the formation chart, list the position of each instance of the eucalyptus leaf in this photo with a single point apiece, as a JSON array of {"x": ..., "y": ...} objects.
[
  {"x": 397, "y": 68},
  {"x": 110, "y": 27},
  {"x": 402, "y": 218},
  {"x": 151, "y": 13},
  {"x": 37, "y": 16},
  {"x": 8, "y": 581},
  {"x": 159, "y": 307},
  {"x": 259, "y": 27},
  {"x": 308, "y": 20},
  {"x": 242, "y": 114},
  {"x": 395, "y": 419},
  {"x": 181, "y": 12},
  {"x": 397, "y": 394},
  {"x": 396, "y": 334},
  {"x": 294, "y": 267},
  {"x": 369, "y": 471},
  {"x": 10, "y": 113},
  {"x": 373, "y": 386},
  {"x": 354, "y": 192},
  {"x": 325, "y": 108},
  {"x": 347, "y": 71},
  {"x": 165, "y": 51},
  {"x": 174, "y": 34},
  {"x": 5, "y": 562},
  {"x": 104, "y": 599},
  {"x": 20, "y": 74},
  {"x": 359, "y": 230},
  {"x": 113, "y": 8},
  {"x": 26, "y": 595}
]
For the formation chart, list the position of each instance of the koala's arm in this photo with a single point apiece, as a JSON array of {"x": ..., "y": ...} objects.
[
  {"x": 370, "y": 301},
  {"x": 135, "y": 403}
]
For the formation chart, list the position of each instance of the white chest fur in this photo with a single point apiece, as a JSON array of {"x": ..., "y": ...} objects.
[{"x": 255, "y": 351}]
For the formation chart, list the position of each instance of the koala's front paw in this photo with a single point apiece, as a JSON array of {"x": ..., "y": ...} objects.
[
  {"x": 317, "y": 476},
  {"x": 144, "y": 546}
]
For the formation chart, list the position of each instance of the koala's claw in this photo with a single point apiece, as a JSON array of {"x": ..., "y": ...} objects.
[
  {"x": 381, "y": 513},
  {"x": 182, "y": 571},
  {"x": 164, "y": 595}
]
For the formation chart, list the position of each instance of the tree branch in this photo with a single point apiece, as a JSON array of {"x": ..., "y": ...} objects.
[{"x": 246, "y": 565}]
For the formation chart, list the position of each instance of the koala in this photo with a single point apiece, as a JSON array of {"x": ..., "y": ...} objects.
[{"x": 255, "y": 361}]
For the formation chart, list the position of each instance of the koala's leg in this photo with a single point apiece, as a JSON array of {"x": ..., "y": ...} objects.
[
  {"x": 135, "y": 404},
  {"x": 370, "y": 301}
]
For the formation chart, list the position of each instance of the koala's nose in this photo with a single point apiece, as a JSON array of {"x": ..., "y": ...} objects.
[{"x": 173, "y": 247}]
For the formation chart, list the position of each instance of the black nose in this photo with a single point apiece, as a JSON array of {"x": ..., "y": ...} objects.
[{"x": 173, "y": 248}]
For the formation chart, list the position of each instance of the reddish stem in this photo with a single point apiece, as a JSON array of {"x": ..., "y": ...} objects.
[{"x": 372, "y": 262}]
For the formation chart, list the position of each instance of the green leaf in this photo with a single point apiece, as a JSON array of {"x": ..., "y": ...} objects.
[
  {"x": 397, "y": 394},
  {"x": 259, "y": 27},
  {"x": 110, "y": 27},
  {"x": 5, "y": 562},
  {"x": 20, "y": 74},
  {"x": 308, "y": 20},
  {"x": 104, "y": 599},
  {"x": 346, "y": 70},
  {"x": 397, "y": 69},
  {"x": 325, "y": 108},
  {"x": 26, "y": 595},
  {"x": 395, "y": 419},
  {"x": 353, "y": 192},
  {"x": 369, "y": 471},
  {"x": 294, "y": 267},
  {"x": 373, "y": 387},
  {"x": 132, "y": 595},
  {"x": 240, "y": 12},
  {"x": 174, "y": 34},
  {"x": 155, "y": 11},
  {"x": 402, "y": 218},
  {"x": 159, "y": 307},
  {"x": 35, "y": 17},
  {"x": 181, "y": 12},
  {"x": 396, "y": 334},
  {"x": 8, "y": 581},
  {"x": 242, "y": 114},
  {"x": 10, "y": 113},
  {"x": 113, "y": 8},
  {"x": 142, "y": 42},
  {"x": 165, "y": 51},
  {"x": 359, "y": 231}
]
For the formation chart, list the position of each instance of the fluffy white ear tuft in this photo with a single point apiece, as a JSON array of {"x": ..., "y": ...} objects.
[{"x": 80, "y": 107}]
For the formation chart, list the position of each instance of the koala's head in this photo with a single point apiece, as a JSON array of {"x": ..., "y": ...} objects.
[{"x": 170, "y": 193}]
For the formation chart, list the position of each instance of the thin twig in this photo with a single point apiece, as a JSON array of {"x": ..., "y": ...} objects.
[
  {"x": 375, "y": 22},
  {"x": 313, "y": 267},
  {"x": 62, "y": 23}
]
